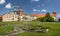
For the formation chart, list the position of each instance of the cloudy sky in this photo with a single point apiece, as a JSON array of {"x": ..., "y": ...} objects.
[{"x": 31, "y": 6}]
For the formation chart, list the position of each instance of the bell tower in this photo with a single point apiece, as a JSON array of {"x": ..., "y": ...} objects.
[
  {"x": 21, "y": 11},
  {"x": 54, "y": 13}
]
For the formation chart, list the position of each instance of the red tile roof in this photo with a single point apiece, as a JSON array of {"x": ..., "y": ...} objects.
[
  {"x": 43, "y": 15},
  {"x": 34, "y": 15}
]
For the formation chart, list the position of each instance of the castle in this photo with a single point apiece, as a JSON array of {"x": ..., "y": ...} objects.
[{"x": 19, "y": 15}]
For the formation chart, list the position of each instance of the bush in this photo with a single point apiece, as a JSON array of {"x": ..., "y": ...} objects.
[
  {"x": 0, "y": 20},
  {"x": 59, "y": 19}
]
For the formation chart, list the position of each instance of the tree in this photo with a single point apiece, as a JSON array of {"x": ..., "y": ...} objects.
[
  {"x": 0, "y": 20},
  {"x": 59, "y": 19},
  {"x": 47, "y": 18},
  {"x": 47, "y": 15}
]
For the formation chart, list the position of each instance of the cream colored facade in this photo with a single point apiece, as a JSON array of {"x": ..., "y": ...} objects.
[
  {"x": 10, "y": 17},
  {"x": 27, "y": 18},
  {"x": 15, "y": 17},
  {"x": 54, "y": 18}
]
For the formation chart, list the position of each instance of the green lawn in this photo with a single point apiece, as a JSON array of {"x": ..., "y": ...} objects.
[{"x": 53, "y": 31}]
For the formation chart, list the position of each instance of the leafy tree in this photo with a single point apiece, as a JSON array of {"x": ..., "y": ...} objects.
[
  {"x": 59, "y": 19},
  {"x": 47, "y": 15},
  {"x": 47, "y": 18}
]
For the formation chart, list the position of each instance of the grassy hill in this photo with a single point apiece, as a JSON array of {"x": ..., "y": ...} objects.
[{"x": 53, "y": 31}]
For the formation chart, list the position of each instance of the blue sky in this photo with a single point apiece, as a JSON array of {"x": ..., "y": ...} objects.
[{"x": 31, "y": 6}]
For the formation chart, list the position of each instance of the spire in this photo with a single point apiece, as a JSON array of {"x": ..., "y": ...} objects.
[{"x": 15, "y": 8}]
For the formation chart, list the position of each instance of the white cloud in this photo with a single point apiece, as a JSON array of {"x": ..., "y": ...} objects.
[
  {"x": 8, "y": 6},
  {"x": 36, "y": 0},
  {"x": 2, "y": 1},
  {"x": 43, "y": 10},
  {"x": 36, "y": 10}
]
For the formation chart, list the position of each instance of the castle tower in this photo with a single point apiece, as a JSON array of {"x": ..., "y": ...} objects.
[
  {"x": 54, "y": 13},
  {"x": 21, "y": 11},
  {"x": 15, "y": 9}
]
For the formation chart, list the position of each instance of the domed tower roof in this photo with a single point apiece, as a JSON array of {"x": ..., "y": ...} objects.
[{"x": 54, "y": 12}]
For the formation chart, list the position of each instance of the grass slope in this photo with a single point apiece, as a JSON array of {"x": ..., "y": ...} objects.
[{"x": 53, "y": 31}]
